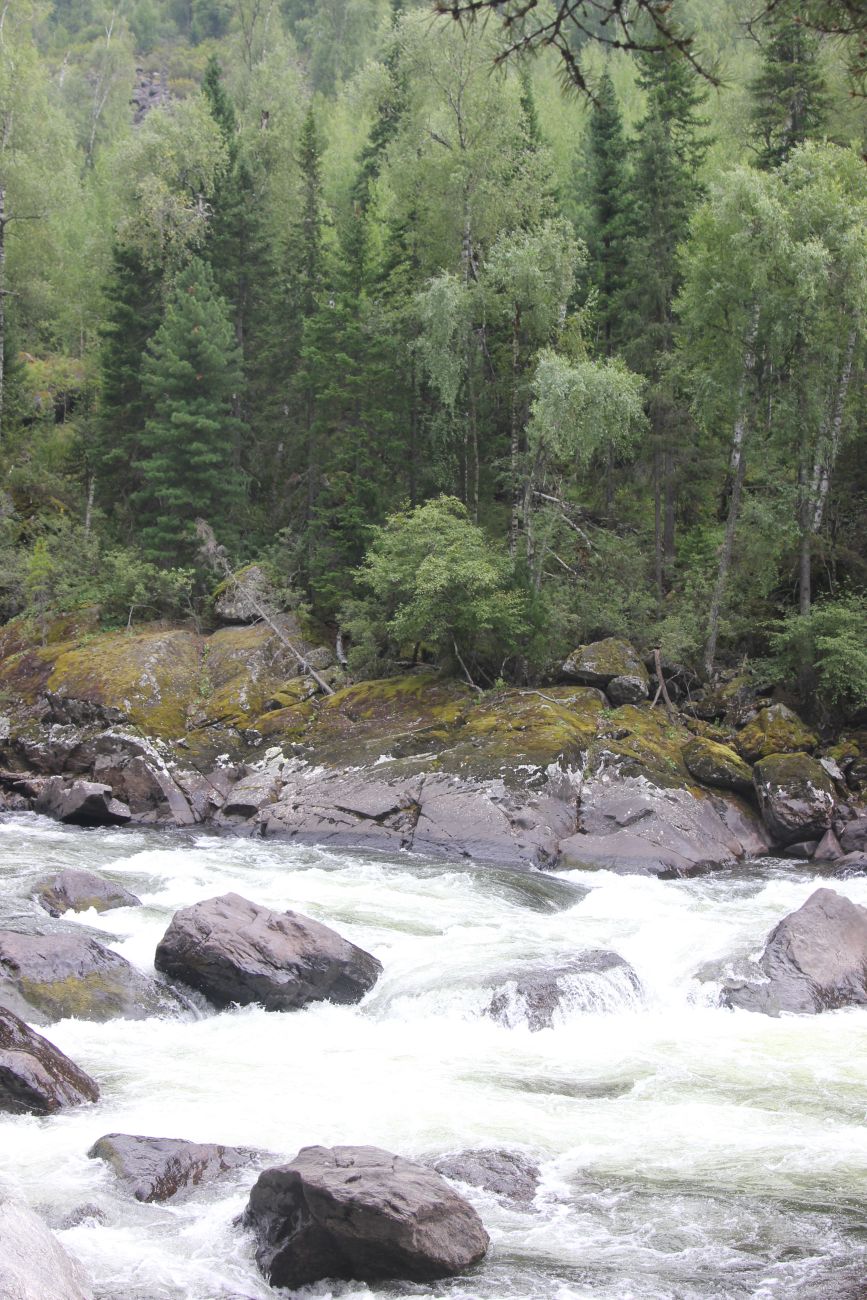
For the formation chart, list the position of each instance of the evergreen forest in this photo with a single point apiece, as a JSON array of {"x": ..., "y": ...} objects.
[{"x": 474, "y": 363}]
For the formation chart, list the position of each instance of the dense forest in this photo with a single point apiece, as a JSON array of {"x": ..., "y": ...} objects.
[{"x": 474, "y": 368}]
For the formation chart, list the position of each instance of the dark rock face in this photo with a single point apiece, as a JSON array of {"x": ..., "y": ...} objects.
[
  {"x": 155, "y": 1169},
  {"x": 234, "y": 951},
  {"x": 853, "y": 837},
  {"x": 360, "y": 1213},
  {"x": 33, "y": 1264},
  {"x": 814, "y": 960},
  {"x": 35, "y": 1076},
  {"x": 508, "y": 1174},
  {"x": 76, "y": 891},
  {"x": 594, "y": 980},
  {"x": 717, "y": 765},
  {"x": 45, "y": 977},
  {"x": 796, "y": 797},
  {"x": 83, "y": 803}
]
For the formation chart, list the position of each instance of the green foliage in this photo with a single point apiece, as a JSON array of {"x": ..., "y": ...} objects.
[
  {"x": 431, "y": 576},
  {"x": 826, "y": 651},
  {"x": 790, "y": 100}
]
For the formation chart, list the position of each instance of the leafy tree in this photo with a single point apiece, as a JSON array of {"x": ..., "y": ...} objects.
[
  {"x": 790, "y": 99},
  {"x": 825, "y": 651},
  {"x": 190, "y": 459}
]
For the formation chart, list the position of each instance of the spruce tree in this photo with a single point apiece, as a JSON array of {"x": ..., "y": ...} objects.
[
  {"x": 189, "y": 461},
  {"x": 609, "y": 202},
  {"x": 790, "y": 100}
]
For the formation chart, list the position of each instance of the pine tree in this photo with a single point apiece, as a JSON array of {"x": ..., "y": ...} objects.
[
  {"x": 133, "y": 310},
  {"x": 189, "y": 458},
  {"x": 790, "y": 100},
  {"x": 609, "y": 202}
]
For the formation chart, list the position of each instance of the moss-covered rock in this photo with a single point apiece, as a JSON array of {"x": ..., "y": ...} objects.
[
  {"x": 600, "y": 662},
  {"x": 359, "y": 723},
  {"x": 775, "y": 730},
  {"x": 241, "y": 669},
  {"x": 643, "y": 741},
  {"x": 796, "y": 797},
  {"x": 717, "y": 765}
]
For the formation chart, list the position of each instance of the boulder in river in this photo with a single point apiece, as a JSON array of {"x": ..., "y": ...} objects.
[
  {"x": 853, "y": 836},
  {"x": 155, "y": 1169},
  {"x": 362, "y": 1214},
  {"x": 508, "y": 1174},
  {"x": 33, "y": 1264},
  {"x": 592, "y": 981},
  {"x": 74, "y": 890},
  {"x": 714, "y": 764},
  {"x": 81, "y": 803},
  {"x": 814, "y": 960},
  {"x": 35, "y": 1076},
  {"x": 235, "y": 951},
  {"x": 796, "y": 797},
  {"x": 46, "y": 977}
]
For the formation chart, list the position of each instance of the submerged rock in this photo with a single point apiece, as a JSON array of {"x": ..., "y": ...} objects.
[
  {"x": 77, "y": 891},
  {"x": 33, "y": 1264},
  {"x": 360, "y": 1214},
  {"x": 814, "y": 960},
  {"x": 796, "y": 797},
  {"x": 509, "y": 1174},
  {"x": 235, "y": 951},
  {"x": 717, "y": 765},
  {"x": 156, "y": 1169},
  {"x": 83, "y": 803},
  {"x": 46, "y": 977},
  {"x": 592, "y": 981},
  {"x": 35, "y": 1076}
]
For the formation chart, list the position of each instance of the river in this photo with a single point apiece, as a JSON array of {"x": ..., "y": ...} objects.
[{"x": 687, "y": 1151}]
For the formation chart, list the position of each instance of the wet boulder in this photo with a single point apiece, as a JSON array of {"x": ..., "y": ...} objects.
[
  {"x": 775, "y": 730},
  {"x": 853, "y": 836},
  {"x": 601, "y": 662},
  {"x": 81, "y": 803},
  {"x": 796, "y": 797},
  {"x": 234, "y": 951},
  {"x": 33, "y": 1264},
  {"x": 592, "y": 981},
  {"x": 46, "y": 977},
  {"x": 77, "y": 891},
  {"x": 35, "y": 1076},
  {"x": 511, "y": 1176},
  {"x": 360, "y": 1214},
  {"x": 814, "y": 960},
  {"x": 717, "y": 765},
  {"x": 156, "y": 1169},
  {"x": 828, "y": 849}
]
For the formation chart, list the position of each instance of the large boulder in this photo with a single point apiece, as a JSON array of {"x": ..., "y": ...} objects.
[
  {"x": 35, "y": 1076},
  {"x": 234, "y": 951},
  {"x": 775, "y": 730},
  {"x": 33, "y": 1264},
  {"x": 814, "y": 960},
  {"x": 74, "y": 890},
  {"x": 361, "y": 1214},
  {"x": 81, "y": 803},
  {"x": 853, "y": 836},
  {"x": 511, "y": 1176},
  {"x": 156, "y": 1169},
  {"x": 628, "y": 689},
  {"x": 717, "y": 765},
  {"x": 601, "y": 662},
  {"x": 592, "y": 981},
  {"x": 47, "y": 977},
  {"x": 796, "y": 797}
]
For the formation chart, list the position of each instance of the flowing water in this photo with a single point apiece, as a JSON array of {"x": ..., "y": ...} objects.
[{"x": 686, "y": 1151}]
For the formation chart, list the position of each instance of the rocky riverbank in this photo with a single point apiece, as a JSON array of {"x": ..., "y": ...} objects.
[{"x": 165, "y": 726}]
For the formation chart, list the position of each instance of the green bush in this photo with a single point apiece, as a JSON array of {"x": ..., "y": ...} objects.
[{"x": 825, "y": 651}]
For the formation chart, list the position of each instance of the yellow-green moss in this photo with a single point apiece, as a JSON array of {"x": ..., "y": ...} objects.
[
  {"x": 242, "y": 667},
  {"x": 717, "y": 765},
  {"x": 289, "y": 723},
  {"x": 776, "y": 730},
  {"x": 647, "y": 742}
]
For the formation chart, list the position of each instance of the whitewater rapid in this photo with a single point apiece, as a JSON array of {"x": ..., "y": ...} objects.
[{"x": 687, "y": 1151}]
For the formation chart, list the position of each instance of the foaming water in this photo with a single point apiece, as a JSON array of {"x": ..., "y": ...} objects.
[{"x": 687, "y": 1152}]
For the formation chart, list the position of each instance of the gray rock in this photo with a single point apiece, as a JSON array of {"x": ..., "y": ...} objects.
[
  {"x": 601, "y": 662},
  {"x": 33, "y": 1264},
  {"x": 628, "y": 689},
  {"x": 360, "y": 1213},
  {"x": 46, "y": 977},
  {"x": 852, "y": 864},
  {"x": 508, "y": 1174},
  {"x": 796, "y": 797},
  {"x": 828, "y": 849},
  {"x": 592, "y": 981},
  {"x": 35, "y": 1076},
  {"x": 81, "y": 803},
  {"x": 853, "y": 837},
  {"x": 814, "y": 960},
  {"x": 234, "y": 951},
  {"x": 77, "y": 891},
  {"x": 156, "y": 1169}
]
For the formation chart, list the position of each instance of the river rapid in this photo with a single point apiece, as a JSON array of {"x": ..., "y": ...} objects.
[{"x": 686, "y": 1151}]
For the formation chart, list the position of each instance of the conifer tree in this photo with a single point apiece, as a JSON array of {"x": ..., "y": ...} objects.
[
  {"x": 790, "y": 100},
  {"x": 609, "y": 201},
  {"x": 189, "y": 461}
]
